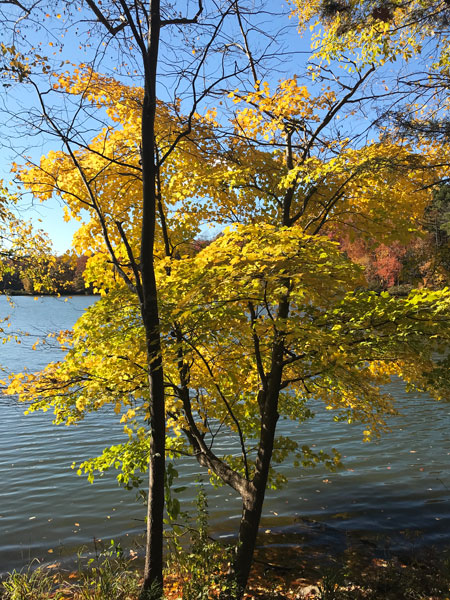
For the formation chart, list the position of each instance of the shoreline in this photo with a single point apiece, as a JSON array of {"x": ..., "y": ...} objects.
[
  {"x": 352, "y": 575},
  {"x": 18, "y": 293}
]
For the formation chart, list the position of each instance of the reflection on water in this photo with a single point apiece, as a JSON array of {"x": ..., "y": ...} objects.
[{"x": 396, "y": 490}]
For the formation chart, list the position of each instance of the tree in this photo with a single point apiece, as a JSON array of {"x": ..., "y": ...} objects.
[
  {"x": 382, "y": 264},
  {"x": 361, "y": 32},
  {"x": 378, "y": 31},
  {"x": 437, "y": 215},
  {"x": 131, "y": 26},
  {"x": 264, "y": 317},
  {"x": 24, "y": 252},
  {"x": 129, "y": 19},
  {"x": 436, "y": 222}
]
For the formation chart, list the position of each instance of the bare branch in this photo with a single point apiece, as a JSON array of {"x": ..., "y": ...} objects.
[
  {"x": 103, "y": 20},
  {"x": 185, "y": 20}
]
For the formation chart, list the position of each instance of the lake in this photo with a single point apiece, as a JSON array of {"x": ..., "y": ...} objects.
[{"x": 391, "y": 493}]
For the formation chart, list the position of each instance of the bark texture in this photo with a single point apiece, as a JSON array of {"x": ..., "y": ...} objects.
[{"x": 153, "y": 577}]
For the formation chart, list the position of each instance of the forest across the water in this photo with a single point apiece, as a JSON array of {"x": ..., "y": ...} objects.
[{"x": 424, "y": 261}]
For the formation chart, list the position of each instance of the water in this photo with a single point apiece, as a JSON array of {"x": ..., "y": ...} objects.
[{"x": 396, "y": 490}]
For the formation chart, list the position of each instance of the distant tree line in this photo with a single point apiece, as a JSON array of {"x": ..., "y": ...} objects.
[
  {"x": 423, "y": 262},
  {"x": 65, "y": 273}
]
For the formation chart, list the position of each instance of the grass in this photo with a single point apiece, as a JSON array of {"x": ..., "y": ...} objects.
[
  {"x": 106, "y": 576},
  {"x": 110, "y": 580},
  {"x": 356, "y": 578}
]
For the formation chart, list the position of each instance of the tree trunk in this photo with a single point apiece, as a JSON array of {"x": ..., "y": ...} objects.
[
  {"x": 153, "y": 579},
  {"x": 253, "y": 499},
  {"x": 248, "y": 530}
]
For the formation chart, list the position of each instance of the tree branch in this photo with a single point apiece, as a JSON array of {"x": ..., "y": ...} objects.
[
  {"x": 103, "y": 20},
  {"x": 184, "y": 20}
]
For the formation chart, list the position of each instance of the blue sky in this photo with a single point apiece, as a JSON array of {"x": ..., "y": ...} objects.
[{"x": 49, "y": 215}]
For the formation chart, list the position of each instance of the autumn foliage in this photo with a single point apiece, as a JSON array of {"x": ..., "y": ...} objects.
[{"x": 276, "y": 310}]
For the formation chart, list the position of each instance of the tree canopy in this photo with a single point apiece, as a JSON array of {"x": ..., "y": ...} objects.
[
  {"x": 271, "y": 313},
  {"x": 23, "y": 249}
]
